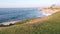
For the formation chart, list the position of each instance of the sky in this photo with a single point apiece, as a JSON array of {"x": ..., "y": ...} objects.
[{"x": 26, "y": 3}]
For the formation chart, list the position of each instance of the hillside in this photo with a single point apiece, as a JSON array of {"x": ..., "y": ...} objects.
[{"x": 48, "y": 26}]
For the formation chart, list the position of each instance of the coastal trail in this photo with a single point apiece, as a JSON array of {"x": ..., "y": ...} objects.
[{"x": 37, "y": 20}]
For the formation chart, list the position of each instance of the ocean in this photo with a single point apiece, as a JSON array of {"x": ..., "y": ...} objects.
[{"x": 13, "y": 14}]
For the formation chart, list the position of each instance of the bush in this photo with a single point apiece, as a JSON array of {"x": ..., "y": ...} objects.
[{"x": 1, "y": 25}]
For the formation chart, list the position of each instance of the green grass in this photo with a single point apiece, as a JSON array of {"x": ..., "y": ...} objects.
[{"x": 50, "y": 26}]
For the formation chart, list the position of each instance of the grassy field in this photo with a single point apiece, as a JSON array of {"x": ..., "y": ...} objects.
[{"x": 50, "y": 26}]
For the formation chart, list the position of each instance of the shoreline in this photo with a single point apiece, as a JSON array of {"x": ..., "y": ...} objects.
[
  {"x": 10, "y": 22},
  {"x": 47, "y": 10}
]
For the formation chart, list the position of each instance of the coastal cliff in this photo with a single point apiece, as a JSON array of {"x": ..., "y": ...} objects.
[{"x": 52, "y": 9}]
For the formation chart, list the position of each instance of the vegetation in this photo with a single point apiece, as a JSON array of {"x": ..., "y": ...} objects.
[
  {"x": 24, "y": 21},
  {"x": 1, "y": 25},
  {"x": 50, "y": 26}
]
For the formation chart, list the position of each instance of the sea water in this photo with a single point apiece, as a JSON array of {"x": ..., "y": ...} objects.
[{"x": 12, "y": 14}]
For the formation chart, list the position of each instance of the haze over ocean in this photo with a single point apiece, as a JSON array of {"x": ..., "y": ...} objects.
[{"x": 27, "y": 3}]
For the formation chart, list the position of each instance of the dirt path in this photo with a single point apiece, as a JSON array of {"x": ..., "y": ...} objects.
[
  {"x": 37, "y": 20},
  {"x": 1, "y": 28}
]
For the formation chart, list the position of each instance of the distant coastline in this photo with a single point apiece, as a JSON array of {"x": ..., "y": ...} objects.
[{"x": 52, "y": 9}]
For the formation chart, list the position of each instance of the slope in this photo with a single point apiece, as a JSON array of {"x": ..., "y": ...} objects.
[{"x": 48, "y": 26}]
